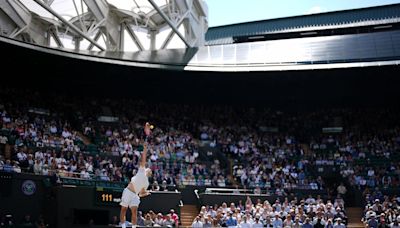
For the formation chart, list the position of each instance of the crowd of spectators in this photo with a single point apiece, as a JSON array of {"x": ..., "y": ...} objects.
[
  {"x": 381, "y": 210},
  {"x": 277, "y": 170},
  {"x": 305, "y": 212},
  {"x": 271, "y": 149},
  {"x": 273, "y": 152},
  {"x": 45, "y": 143},
  {"x": 152, "y": 219}
]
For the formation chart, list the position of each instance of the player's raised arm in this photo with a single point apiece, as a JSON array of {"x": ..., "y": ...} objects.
[
  {"x": 147, "y": 132},
  {"x": 144, "y": 156}
]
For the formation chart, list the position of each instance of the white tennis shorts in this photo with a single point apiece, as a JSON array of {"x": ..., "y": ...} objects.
[{"x": 129, "y": 199}]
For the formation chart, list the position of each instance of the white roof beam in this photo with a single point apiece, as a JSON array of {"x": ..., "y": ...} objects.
[
  {"x": 56, "y": 38},
  {"x": 96, "y": 38},
  {"x": 170, "y": 35},
  {"x": 7, "y": 25},
  {"x": 67, "y": 23},
  {"x": 17, "y": 12},
  {"x": 134, "y": 37},
  {"x": 111, "y": 23},
  {"x": 27, "y": 23},
  {"x": 173, "y": 27}
]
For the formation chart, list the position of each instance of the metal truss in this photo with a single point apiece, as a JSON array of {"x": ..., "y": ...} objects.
[{"x": 103, "y": 26}]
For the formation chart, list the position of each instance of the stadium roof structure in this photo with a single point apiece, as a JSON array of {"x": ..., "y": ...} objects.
[
  {"x": 111, "y": 25},
  {"x": 353, "y": 38},
  {"x": 372, "y": 16}
]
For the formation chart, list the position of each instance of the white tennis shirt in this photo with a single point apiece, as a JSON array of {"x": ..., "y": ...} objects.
[{"x": 140, "y": 180}]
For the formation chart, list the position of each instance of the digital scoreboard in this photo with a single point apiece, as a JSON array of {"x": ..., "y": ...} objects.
[{"x": 107, "y": 196}]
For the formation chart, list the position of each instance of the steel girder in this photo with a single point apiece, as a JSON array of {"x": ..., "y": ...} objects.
[
  {"x": 23, "y": 23},
  {"x": 105, "y": 20}
]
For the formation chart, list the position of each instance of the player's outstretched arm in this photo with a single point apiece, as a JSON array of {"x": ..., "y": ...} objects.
[{"x": 144, "y": 156}]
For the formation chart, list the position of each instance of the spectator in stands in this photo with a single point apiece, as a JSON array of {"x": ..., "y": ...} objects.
[
  {"x": 168, "y": 221},
  {"x": 140, "y": 219},
  {"x": 277, "y": 221},
  {"x": 231, "y": 221},
  {"x": 288, "y": 222},
  {"x": 339, "y": 224},
  {"x": 307, "y": 223},
  {"x": 16, "y": 168},
  {"x": 268, "y": 222},
  {"x": 372, "y": 222},
  {"x": 340, "y": 214},
  {"x": 3, "y": 142},
  {"x": 159, "y": 220},
  {"x": 148, "y": 221},
  {"x": 395, "y": 223},
  {"x": 329, "y": 224},
  {"x": 257, "y": 222},
  {"x": 174, "y": 216},
  {"x": 7, "y": 167},
  {"x": 341, "y": 189},
  {"x": 197, "y": 223},
  {"x": 377, "y": 207},
  {"x": 297, "y": 223},
  {"x": 207, "y": 222},
  {"x": 37, "y": 168},
  {"x": 245, "y": 223},
  {"x": 257, "y": 191},
  {"x": 45, "y": 170},
  {"x": 155, "y": 186},
  {"x": 319, "y": 221}
]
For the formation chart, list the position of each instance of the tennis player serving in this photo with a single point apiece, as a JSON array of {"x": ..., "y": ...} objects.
[{"x": 137, "y": 188}]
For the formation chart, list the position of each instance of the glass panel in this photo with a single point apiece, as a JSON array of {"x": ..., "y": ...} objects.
[
  {"x": 229, "y": 54},
  {"x": 347, "y": 48}
]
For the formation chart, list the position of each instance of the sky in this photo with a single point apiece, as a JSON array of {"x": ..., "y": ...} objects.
[{"x": 222, "y": 12}]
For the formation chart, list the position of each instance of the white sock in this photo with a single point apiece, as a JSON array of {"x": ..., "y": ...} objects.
[{"x": 123, "y": 225}]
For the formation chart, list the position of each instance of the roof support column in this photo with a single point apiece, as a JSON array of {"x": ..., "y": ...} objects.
[{"x": 173, "y": 27}]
